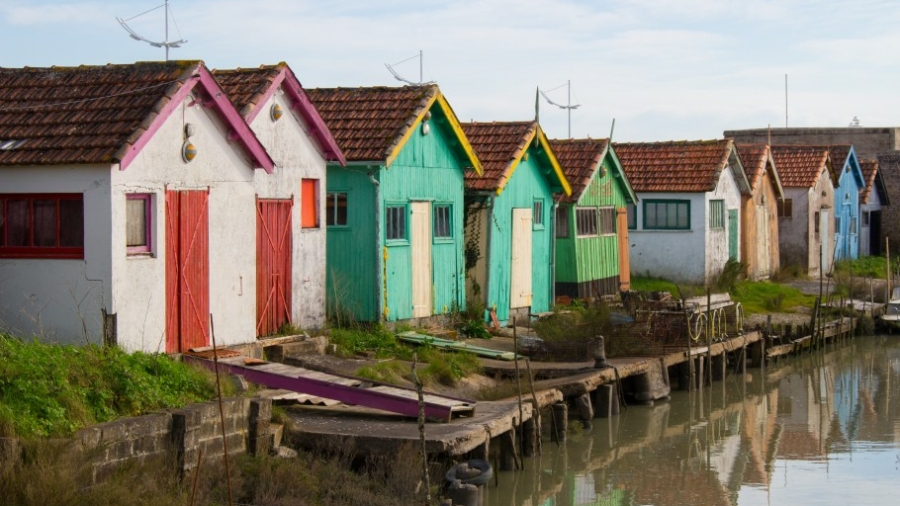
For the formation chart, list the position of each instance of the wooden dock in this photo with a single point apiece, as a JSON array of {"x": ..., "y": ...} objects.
[{"x": 316, "y": 387}]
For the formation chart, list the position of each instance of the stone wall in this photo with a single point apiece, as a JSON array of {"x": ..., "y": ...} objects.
[
  {"x": 868, "y": 142},
  {"x": 889, "y": 166},
  {"x": 173, "y": 437}
]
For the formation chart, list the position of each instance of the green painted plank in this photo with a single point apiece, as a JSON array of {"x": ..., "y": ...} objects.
[{"x": 447, "y": 344}]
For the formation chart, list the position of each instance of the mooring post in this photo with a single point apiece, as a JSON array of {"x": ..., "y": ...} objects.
[
  {"x": 560, "y": 422},
  {"x": 529, "y": 437},
  {"x": 509, "y": 458},
  {"x": 605, "y": 401},
  {"x": 585, "y": 409}
]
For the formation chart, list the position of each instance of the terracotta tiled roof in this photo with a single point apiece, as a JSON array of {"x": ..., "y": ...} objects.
[
  {"x": 246, "y": 88},
  {"x": 249, "y": 88},
  {"x": 754, "y": 157},
  {"x": 86, "y": 114},
  {"x": 800, "y": 166},
  {"x": 497, "y": 145},
  {"x": 839, "y": 154},
  {"x": 579, "y": 159},
  {"x": 676, "y": 166},
  {"x": 869, "y": 170},
  {"x": 369, "y": 123}
]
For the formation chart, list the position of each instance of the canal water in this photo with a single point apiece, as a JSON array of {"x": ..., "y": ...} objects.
[{"x": 821, "y": 428}]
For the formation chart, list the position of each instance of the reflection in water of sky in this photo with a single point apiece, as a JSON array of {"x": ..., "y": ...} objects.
[{"x": 822, "y": 428}]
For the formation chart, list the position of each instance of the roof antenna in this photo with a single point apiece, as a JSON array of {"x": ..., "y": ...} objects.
[
  {"x": 785, "y": 101},
  {"x": 568, "y": 107},
  {"x": 769, "y": 135},
  {"x": 166, "y": 43},
  {"x": 612, "y": 128},
  {"x": 407, "y": 81}
]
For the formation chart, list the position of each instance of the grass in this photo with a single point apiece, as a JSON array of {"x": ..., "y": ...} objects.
[
  {"x": 871, "y": 267},
  {"x": 439, "y": 367},
  {"x": 55, "y": 390},
  {"x": 360, "y": 341},
  {"x": 763, "y": 297}
]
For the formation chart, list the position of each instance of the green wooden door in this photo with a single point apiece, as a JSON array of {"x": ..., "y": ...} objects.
[{"x": 733, "y": 234}]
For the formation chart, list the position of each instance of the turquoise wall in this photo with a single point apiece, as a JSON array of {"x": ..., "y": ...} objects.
[
  {"x": 426, "y": 169},
  {"x": 526, "y": 184},
  {"x": 352, "y": 250}
]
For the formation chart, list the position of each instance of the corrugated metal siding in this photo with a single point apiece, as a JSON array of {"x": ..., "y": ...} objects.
[
  {"x": 524, "y": 186},
  {"x": 273, "y": 265},
  {"x": 426, "y": 170},
  {"x": 352, "y": 251},
  {"x": 187, "y": 270}
]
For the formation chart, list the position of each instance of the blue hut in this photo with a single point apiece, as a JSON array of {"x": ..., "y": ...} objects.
[{"x": 846, "y": 201}]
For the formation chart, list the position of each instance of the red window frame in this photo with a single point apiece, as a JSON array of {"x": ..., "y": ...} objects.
[
  {"x": 30, "y": 250},
  {"x": 147, "y": 247}
]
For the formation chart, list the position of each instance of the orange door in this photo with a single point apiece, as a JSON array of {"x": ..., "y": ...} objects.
[
  {"x": 187, "y": 270},
  {"x": 624, "y": 261},
  {"x": 273, "y": 265}
]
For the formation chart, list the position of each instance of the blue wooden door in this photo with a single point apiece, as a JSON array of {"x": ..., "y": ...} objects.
[{"x": 733, "y": 234}]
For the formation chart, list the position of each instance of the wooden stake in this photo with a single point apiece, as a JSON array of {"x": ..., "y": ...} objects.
[
  {"x": 212, "y": 332},
  {"x": 518, "y": 387},
  {"x": 536, "y": 412},
  {"x": 415, "y": 377},
  {"x": 196, "y": 474}
]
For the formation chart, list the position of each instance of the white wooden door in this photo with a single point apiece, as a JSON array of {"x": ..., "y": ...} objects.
[
  {"x": 762, "y": 242},
  {"x": 520, "y": 269},
  {"x": 826, "y": 247},
  {"x": 420, "y": 258}
]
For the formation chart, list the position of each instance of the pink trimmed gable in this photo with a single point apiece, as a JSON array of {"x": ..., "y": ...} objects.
[{"x": 240, "y": 130}]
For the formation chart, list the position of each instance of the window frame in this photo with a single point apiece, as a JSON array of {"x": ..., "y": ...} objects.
[
  {"x": 40, "y": 252},
  {"x": 677, "y": 202},
  {"x": 403, "y": 208},
  {"x": 537, "y": 214},
  {"x": 786, "y": 208},
  {"x": 434, "y": 217},
  {"x": 717, "y": 214},
  {"x": 331, "y": 209},
  {"x": 147, "y": 248},
  {"x": 587, "y": 212},
  {"x": 610, "y": 220},
  {"x": 631, "y": 215}
]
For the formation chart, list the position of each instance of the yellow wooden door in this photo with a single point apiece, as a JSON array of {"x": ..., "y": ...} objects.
[
  {"x": 520, "y": 270},
  {"x": 420, "y": 258}
]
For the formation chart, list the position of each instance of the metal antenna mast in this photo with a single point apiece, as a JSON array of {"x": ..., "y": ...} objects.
[
  {"x": 407, "y": 81},
  {"x": 165, "y": 43},
  {"x": 568, "y": 107}
]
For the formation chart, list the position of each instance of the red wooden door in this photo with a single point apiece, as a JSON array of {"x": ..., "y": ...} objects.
[
  {"x": 187, "y": 270},
  {"x": 273, "y": 265}
]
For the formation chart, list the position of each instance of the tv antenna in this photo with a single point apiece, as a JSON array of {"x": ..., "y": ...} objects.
[
  {"x": 398, "y": 77},
  {"x": 165, "y": 43},
  {"x": 568, "y": 107}
]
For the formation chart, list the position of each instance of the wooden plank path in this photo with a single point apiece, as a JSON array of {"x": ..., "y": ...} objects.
[{"x": 322, "y": 388}]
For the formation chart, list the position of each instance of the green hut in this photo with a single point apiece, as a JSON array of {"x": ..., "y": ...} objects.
[
  {"x": 509, "y": 218},
  {"x": 394, "y": 214},
  {"x": 592, "y": 222}
]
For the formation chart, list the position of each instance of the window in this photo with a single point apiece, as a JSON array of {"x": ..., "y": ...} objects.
[
  {"x": 42, "y": 226},
  {"x": 442, "y": 222},
  {"x": 309, "y": 203},
  {"x": 537, "y": 218},
  {"x": 631, "y": 211},
  {"x": 607, "y": 220},
  {"x": 866, "y": 219},
  {"x": 395, "y": 223},
  {"x": 816, "y": 222},
  {"x": 336, "y": 210},
  {"x": 586, "y": 218},
  {"x": 786, "y": 208},
  {"x": 667, "y": 215},
  {"x": 562, "y": 221},
  {"x": 853, "y": 225},
  {"x": 716, "y": 214},
  {"x": 138, "y": 223},
  {"x": 837, "y": 225}
]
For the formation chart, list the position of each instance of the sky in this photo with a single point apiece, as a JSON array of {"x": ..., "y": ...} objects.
[{"x": 662, "y": 69}]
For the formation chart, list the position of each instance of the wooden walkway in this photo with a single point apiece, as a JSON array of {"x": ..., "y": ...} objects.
[{"x": 328, "y": 389}]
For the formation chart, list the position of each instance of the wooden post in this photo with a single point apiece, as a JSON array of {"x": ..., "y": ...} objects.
[
  {"x": 427, "y": 498},
  {"x": 560, "y": 421}
]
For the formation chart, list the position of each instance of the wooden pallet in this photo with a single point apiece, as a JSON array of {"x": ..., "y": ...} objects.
[{"x": 327, "y": 389}]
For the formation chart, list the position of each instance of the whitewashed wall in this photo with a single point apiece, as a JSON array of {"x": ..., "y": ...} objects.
[
  {"x": 139, "y": 281},
  {"x": 797, "y": 240},
  {"x": 717, "y": 239},
  {"x": 60, "y": 300},
  {"x": 296, "y": 157},
  {"x": 673, "y": 254}
]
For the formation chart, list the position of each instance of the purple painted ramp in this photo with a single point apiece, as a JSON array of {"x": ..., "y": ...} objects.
[{"x": 348, "y": 390}]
